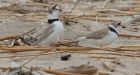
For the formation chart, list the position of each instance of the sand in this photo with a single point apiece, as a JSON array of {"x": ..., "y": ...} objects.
[{"x": 14, "y": 25}]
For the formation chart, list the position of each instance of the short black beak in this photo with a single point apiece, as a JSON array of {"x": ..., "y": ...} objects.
[
  {"x": 60, "y": 10},
  {"x": 123, "y": 26}
]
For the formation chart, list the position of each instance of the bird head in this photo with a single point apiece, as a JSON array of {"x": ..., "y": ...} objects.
[
  {"x": 56, "y": 7},
  {"x": 53, "y": 12},
  {"x": 53, "y": 9},
  {"x": 116, "y": 23}
]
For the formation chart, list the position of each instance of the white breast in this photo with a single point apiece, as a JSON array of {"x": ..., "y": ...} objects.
[
  {"x": 54, "y": 15},
  {"x": 58, "y": 31},
  {"x": 108, "y": 39}
]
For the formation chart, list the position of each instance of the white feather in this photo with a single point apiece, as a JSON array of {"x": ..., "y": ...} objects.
[
  {"x": 108, "y": 39},
  {"x": 57, "y": 32},
  {"x": 54, "y": 15},
  {"x": 55, "y": 36}
]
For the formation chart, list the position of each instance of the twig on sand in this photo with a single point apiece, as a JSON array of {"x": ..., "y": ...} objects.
[
  {"x": 58, "y": 72},
  {"x": 102, "y": 57},
  {"x": 16, "y": 37},
  {"x": 128, "y": 35},
  {"x": 36, "y": 56},
  {"x": 49, "y": 53},
  {"x": 75, "y": 6},
  {"x": 8, "y": 37},
  {"x": 68, "y": 19},
  {"x": 109, "y": 66},
  {"x": 120, "y": 54}
]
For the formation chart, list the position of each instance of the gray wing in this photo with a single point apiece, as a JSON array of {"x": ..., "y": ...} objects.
[
  {"x": 99, "y": 34},
  {"x": 50, "y": 10},
  {"x": 45, "y": 33}
]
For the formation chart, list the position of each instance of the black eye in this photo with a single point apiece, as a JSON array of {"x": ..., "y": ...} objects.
[
  {"x": 54, "y": 6},
  {"x": 119, "y": 23}
]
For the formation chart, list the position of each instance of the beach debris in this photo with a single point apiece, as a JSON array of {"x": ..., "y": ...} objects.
[
  {"x": 65, "y": 57},
  {"x": 82, "y": 69},
  {"x": 109, "y": 66},
  {"x": 41, "y": 1},
  {"x": 104, "y": 73},
  {"x": 118, "y": 62}
]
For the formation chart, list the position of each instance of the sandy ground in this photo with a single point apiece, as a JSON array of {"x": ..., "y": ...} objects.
[{"x": 11, "y": 25}]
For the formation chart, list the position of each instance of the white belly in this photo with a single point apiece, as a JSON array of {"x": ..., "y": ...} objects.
[
  {"x": 58, "y": 31},
  {"x": 110, "y": 38}
]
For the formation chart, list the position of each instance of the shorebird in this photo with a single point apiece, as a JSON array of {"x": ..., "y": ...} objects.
[
  {"x": 54, "y": 30},
  {"x": 48, "y": 34},
  {"x": 103, "y": 36}
]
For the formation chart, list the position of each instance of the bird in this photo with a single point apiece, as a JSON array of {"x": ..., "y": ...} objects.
[
  {"x": 54, "y": 30},
  {"x": 103, "y": 36}
]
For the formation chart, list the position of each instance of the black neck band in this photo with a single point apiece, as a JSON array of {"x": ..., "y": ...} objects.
[
  {"x": 50, "y": 21},
  {"x": 113, "y": 30}
]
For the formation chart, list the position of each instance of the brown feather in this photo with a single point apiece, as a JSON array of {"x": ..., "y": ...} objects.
[
  {"x": 46, "y": 33},
  {"x": 99, "y": 34}
]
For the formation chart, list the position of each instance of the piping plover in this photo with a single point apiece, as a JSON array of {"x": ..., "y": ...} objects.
[
  {"x": 47, "y": 34},
  {"x": 54, "y": 30},
  {"x": 103, "y": 36}
]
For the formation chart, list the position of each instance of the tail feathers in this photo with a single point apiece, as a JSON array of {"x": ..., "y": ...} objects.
[{"x": 80, "y": 38}]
